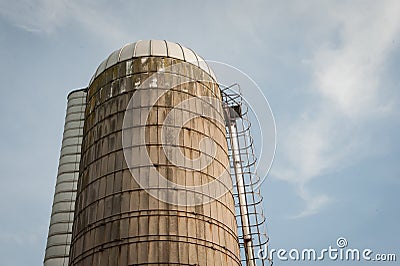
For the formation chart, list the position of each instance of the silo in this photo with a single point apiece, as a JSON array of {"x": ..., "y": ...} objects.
[
  {"x": 62, "y": 215},
  {"x": 132, "y": 209}
]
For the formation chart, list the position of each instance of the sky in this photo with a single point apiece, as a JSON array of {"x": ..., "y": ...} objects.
[{"x": 330, "y": 72}]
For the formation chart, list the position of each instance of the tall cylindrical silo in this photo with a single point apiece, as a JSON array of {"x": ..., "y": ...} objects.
[
  {"x": 62, "y": 215},
  {"x": 117, "y": 220}
]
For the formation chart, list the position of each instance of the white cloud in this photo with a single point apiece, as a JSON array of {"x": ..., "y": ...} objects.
[
  {"x": 35, "y": 16},
  {"x": 349, "y": 74},
  {"x": 347, "y": 71},
  {"x": 47, "y": 16},
  {"x": 314, "y": 203}
]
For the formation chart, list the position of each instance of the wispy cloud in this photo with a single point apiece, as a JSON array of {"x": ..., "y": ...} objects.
[
  {"x": 346, "y": 87},
  {"x": 314, "y": 203},
  {"x": 35, "y": 16},
  {"x": 47, "y": 16}
]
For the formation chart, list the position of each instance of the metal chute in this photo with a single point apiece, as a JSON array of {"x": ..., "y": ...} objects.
[{"x": 253, "y": 239}]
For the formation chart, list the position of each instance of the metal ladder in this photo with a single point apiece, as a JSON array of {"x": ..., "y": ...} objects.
[{"x": 253, "y": 239}]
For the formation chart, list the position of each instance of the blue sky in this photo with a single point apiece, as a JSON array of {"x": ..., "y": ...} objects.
[{"x": 328, "y": 68}]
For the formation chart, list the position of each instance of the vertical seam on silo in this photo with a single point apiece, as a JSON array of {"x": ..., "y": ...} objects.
[
  {"x": 195, "y": 55},
  {"x": 183, "y": 53},
  {"x": 150, "y": 49},
  {"x": 120, "y": 51},
  {"x": 166, "y": 47},
  {"x": 134, "y": 48}
]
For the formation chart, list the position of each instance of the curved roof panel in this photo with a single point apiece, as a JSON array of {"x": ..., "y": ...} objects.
[{"x": 153, "y": 48}]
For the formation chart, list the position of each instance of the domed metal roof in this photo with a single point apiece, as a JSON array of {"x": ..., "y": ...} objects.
[{"x": 153, "y": 48}]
